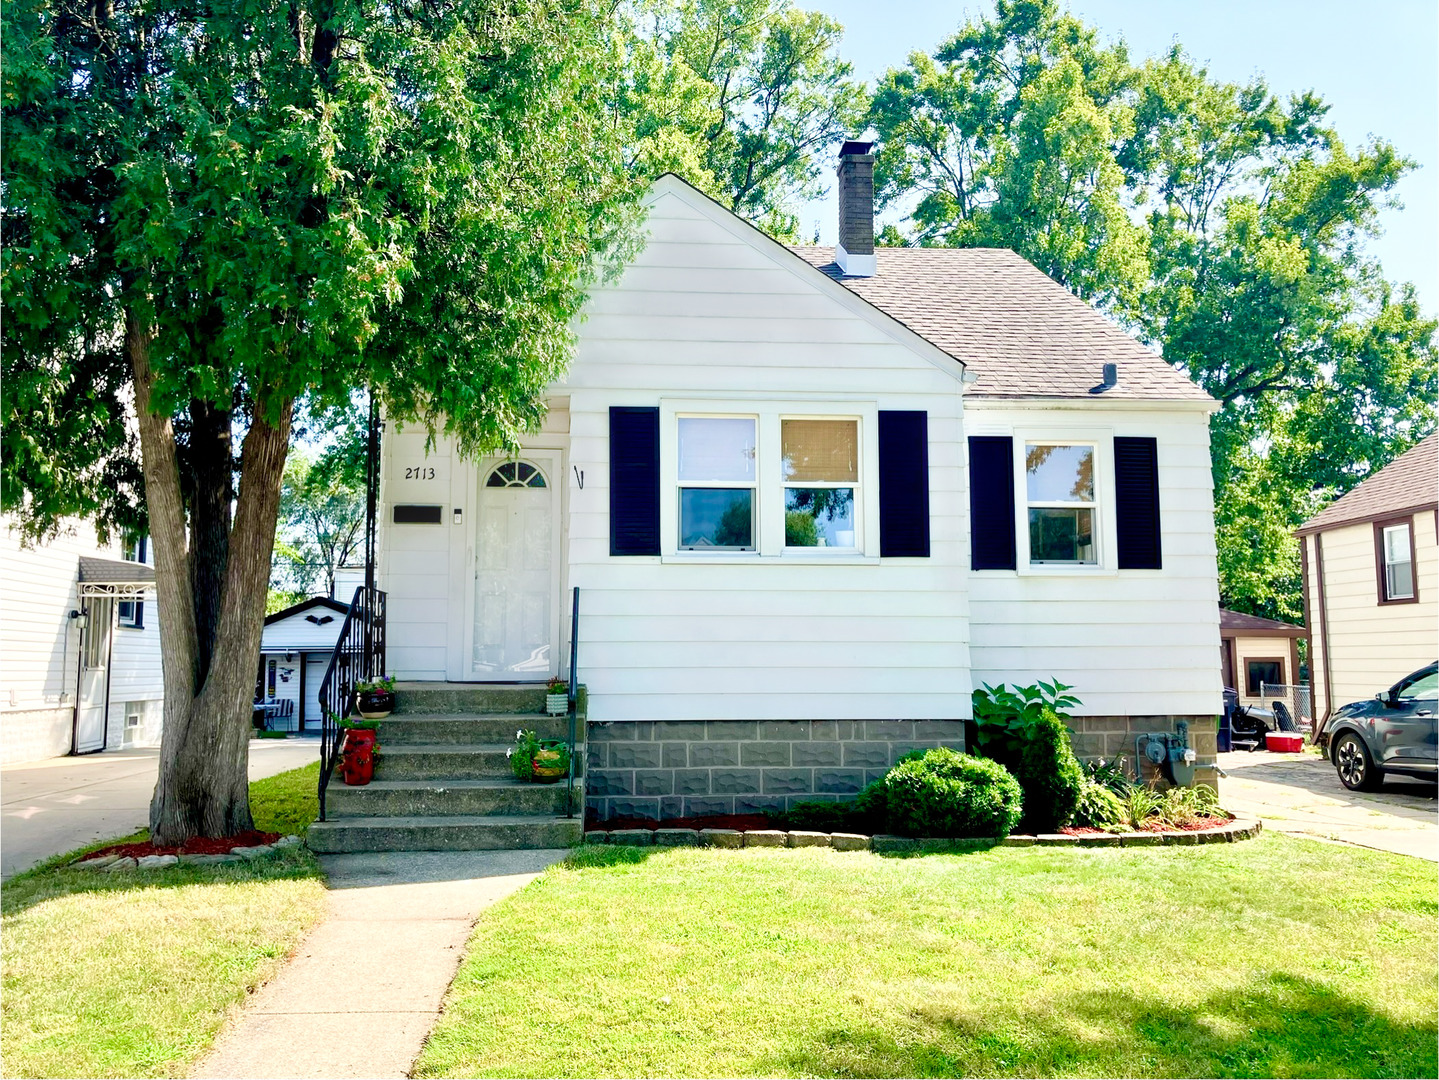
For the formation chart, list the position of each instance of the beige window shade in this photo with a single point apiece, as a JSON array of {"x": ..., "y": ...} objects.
[{"x": 820, "y": 450}]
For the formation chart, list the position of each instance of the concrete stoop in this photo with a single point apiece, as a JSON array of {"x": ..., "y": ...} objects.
[{"x": 443, "y": 781}]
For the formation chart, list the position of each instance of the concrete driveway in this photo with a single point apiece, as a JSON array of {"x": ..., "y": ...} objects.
[
  {"x": 49, "y": 807},
  {"x": 1300, "y": 794}
]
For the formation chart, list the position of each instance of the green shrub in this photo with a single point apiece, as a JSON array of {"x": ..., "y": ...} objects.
[
  {"x": 1005, "y": 720},
  {"x": 863, "y": 814},
  {"x": 1050, "y": 775},
  {"x": 947, "y": 794},
  {"x": 1098, "y": 808}
]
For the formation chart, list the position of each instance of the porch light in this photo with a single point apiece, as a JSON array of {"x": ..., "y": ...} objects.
[{"x": 81, "y": 618}]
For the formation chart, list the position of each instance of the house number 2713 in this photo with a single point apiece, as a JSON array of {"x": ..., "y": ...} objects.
[{"x": 419, "y": 472}]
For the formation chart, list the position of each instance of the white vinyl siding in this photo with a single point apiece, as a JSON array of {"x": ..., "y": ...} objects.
[
  {"x": 705, "y": 316},
  {"x": 39, "y": 646},
  {"x": 1131, "y": 642}
]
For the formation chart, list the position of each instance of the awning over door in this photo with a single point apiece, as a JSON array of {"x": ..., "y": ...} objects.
[{"x": 115, "y": 577}]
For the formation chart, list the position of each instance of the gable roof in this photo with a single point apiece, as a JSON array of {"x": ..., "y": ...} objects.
[
  {"x": 1409, "y": 482},
  {"x": 788, "y": 258},
  {"x": 1235, "y": 623},
  {"x": 306, "y": 605},
  {"x": 1022, "y": 333}
]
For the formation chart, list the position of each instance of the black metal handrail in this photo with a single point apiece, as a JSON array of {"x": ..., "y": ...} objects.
[
  {"x": 359, "y": 655},
  {"x": 573, "y": 696}
]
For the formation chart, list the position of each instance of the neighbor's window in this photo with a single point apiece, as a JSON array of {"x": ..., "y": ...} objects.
[
  {"x": 131, "y": 613},
  {"x": 1396, "y": 554},
  {"x": 1263, "y": 671},
  {"x": 1059, "y": 479},
  {"x": 820, "y": 462},
  {"x": 716, "y": 483}
]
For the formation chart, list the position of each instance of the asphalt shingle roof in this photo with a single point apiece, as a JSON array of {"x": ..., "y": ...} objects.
[
  {"x": 1238, "y": 622},
  {"x": 1020, "y": 332},
  {"x": 95, "y": 571},
  {"x": 1409, "y": 481}
]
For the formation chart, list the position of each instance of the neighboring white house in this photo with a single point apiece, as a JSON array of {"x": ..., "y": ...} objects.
[
  {"x": 818, "y": 496},
  {"x": 295, "y": 650},
  {"x": 79, "y": 646}
]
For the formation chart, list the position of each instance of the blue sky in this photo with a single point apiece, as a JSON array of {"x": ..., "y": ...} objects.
[{"x": 1376, "y": 64}]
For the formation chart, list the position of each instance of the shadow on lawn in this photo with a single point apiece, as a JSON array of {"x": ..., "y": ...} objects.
[
  {"x": 54, "y": 879},
  {"x": 1275, "y": 1025}
]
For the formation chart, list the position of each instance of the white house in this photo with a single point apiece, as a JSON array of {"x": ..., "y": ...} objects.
[
  {"x": 811, "y": 499},
  {"x": 295, "y": 650},
  {"x": 79, "y": 646}
]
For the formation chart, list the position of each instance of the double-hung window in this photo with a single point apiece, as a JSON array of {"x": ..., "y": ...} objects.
[
  {"x": 1059, "y": 482},
  {"x": 717, "y": 481},
  {"x": 820, "y": 467},
  {"x": 1395, "y": 544},
  {"x": 131, "y": 613}
]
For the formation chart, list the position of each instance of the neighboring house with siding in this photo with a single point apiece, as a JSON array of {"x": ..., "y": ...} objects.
[
  {"x": 1262, "y": 654},
  {"x": 79, "y": 646},
  {"x": 1371, "y": 581},
  {"x": 811, "y": 499},
  {"x": 295, "y": 650}
]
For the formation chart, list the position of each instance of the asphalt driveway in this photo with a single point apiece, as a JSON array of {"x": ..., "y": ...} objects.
[
  {"x": 49, "y": 807},
  {"x": 1300, "y": 794}
]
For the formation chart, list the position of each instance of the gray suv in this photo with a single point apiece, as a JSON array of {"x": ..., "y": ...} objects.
[{"x": 1392, "y": 733}]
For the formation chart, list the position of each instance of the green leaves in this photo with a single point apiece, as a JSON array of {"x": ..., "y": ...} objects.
[
  {"x": 302, "y": 200},
  {"x": 1218, "y": 223}
]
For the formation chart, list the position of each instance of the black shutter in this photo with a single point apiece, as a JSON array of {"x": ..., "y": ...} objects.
[
  {"x": 634, "y": 481},
  {"x": 1136, "y": 503},
  {"x": 991, "y": 502},
  {"x": 904, "y": 484}
]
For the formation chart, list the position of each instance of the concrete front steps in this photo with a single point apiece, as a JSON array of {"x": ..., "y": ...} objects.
[{"x": 443, "y": 781}]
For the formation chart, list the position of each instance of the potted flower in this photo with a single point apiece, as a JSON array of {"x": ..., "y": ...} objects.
[
  {"x": 376, "y": 699},
  {"x": 541, "y": 761},
  {"x": 557, "y": 697}
]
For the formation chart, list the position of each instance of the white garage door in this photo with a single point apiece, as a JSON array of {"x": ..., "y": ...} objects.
[{"x": 315, "y": 665}]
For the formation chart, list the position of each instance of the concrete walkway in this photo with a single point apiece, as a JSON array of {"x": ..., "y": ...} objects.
[
  {"x": 1300, "y": 794},
  {"x": 364, "y": 989},
  {"x": 52, "y": 806}
]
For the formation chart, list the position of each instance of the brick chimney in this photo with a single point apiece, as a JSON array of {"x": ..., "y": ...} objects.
[{"x": 855, "y": 250}]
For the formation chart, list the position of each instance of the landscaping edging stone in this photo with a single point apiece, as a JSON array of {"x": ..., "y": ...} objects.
[
  {"x": 112, "y": 863},
  {"x": 1238, "y": 829}
]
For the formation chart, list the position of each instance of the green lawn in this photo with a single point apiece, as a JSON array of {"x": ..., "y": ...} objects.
[
  {"x": 1274, "y": 957},
  {"x": 132, "y": 974}
]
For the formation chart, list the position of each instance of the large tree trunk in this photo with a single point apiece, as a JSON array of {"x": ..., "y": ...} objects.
[
  {"x": 212, "y": 470},
  {"x": 203, "y": 787}
]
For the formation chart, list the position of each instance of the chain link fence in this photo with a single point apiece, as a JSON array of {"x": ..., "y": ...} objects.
[{"x": 1298, "y": 699}]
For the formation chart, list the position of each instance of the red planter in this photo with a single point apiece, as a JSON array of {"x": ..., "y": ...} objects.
[
  {"x": 1284, "y": 742},
  {"x": 357, "y": 757}
]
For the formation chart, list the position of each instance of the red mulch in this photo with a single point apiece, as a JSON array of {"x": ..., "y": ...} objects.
[
  {"x": 199, "y": 845},
  {"x": 1202, "y": 825},
  {"x": 740, "y": 822}
]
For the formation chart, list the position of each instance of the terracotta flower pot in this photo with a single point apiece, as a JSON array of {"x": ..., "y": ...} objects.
[{"x": 375, "y": 704}]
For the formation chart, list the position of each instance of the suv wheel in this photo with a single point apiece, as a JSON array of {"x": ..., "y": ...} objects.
[{"x": 1355, "y": 767}]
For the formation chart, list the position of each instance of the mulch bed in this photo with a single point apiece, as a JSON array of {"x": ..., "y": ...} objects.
[
  {"x": 199, "y": 845},
  {"x": 738, "y": 822},
  {"x": 1201, "y": 825}
]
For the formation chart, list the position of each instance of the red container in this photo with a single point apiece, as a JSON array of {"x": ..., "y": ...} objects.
[
  {"x": 357, "y": 757},
  {"x": 1284, "y": 742}
]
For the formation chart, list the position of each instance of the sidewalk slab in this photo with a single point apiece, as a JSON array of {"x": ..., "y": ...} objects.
[{"x": 365, "y": 987}]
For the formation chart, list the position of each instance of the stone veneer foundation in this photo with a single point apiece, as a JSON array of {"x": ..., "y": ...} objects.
[
  {"x": 686, "y": 768},
  {"x": 689, "y": 768}
]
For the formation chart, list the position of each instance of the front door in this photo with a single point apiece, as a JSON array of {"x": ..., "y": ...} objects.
[
  {"x": 516, "y": 548},
  {"x": 94, "y": 676}
]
